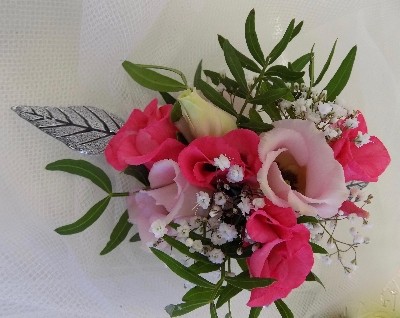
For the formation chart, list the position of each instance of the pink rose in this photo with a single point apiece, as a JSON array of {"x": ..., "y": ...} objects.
[
  {"x": 148, "y": 136},
  {"x": 361, "y": 163},
  {"x": 239, "y": 146},
  {"x": 171, "y": 197},
  {"x": 285, "y": 254},
  {"x": 299, "y": 169}
]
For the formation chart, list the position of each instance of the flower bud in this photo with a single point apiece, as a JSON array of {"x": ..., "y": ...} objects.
[{"x": 203, "y": 118}]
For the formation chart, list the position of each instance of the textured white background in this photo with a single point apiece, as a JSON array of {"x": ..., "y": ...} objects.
[{"x": 69, "y": 52}]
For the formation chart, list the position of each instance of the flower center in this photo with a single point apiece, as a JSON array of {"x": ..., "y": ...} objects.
[{"x": 293, "y": 174}]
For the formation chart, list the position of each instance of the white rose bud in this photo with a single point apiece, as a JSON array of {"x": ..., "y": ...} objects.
[{"x": 203, "y": 118}]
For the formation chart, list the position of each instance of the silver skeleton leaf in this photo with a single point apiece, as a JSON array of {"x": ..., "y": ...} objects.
[{"x": 86, "y": 129}]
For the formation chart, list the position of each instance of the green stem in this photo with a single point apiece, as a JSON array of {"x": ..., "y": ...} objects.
[
  {"x": 167, "y": 69},
  {"x": 119, "y": 194},
  {"x": 258, "y": 79}
]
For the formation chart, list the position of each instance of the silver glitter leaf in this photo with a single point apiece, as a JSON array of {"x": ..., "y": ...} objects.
[
  {"x": 356, "y": 184},
  {"x": 86, "y": 129}
]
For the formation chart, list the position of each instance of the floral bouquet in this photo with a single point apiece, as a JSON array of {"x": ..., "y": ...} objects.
[{"x": 244, "y": 175}]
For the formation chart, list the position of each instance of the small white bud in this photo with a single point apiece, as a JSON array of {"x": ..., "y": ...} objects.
[{"x": 235, "y": 174}]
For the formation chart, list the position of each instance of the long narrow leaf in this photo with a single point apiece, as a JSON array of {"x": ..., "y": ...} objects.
[
  {"x": 140, "y": 173},
  {"x": 181, "y": 270},
  {"x": 214, "y": 97},
  {"x": 270, "y": 96},
  {"x": 244, "y": 60},
  {"x": 197, "y": 74},
  {"x": 282, "y": 44},
  {"x": 301, "y": 62},
  {"x": 85, "y": 221},
  {"x": 184, "y": 308},
  {"x": 284, "y": 73},
  {"x": 234, "y": 65},
  {"x": 311, "y": 277},
  {"x": 185, "y": 250},
  {"x": 296, "y": 30},
  {"x": 342, "y": 75},
  {"x": 249, "y": 282},
  {"x": 84, "y": 169},
  {"x": 200, "y": 267},
  {"x": 255, "y": 312},
  {"x": 151, "y": 79},
  {"x": 168, "y": 98},
  {"x": 326, "y": 65},
  {"x": 252, "y": 39},
  {"x": 198, "y": 294},
  {"x": 283, "y": 309},
  {"x": 318, "y": 249},
  {"x": 230, "y": 85},
  {"x": 227, "y": 293},
  {"x": 118, "y": 234}
]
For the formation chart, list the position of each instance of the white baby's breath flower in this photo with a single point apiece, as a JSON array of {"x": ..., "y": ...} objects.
[
  {"x": 216, "y": 256},
  {"x": 235, "y": 174},
  {"x": 183, "y": 231},
  {"x": 325, "y": 108},
  {"x": 189, "y": 242},
  {"x": 219, "y": 198},
  {"x": 197, "y": 246},
  {"x": 258, "y": 203},
  {"x": 203, "y": 199},
  {"x": 362, "y": 139},
  {"x": 245, "y": 205},
  {"x": 215, "y": 211},
  {"x": 351, "y": 123},
  {"x": 217, "y": 239},
  {"x": 222, "y": 162},
  {"x": 158, "y": 228},
  {"x": 227, "y": 232}
]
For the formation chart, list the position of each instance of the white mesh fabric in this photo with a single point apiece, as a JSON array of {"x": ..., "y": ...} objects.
[{"x": 55, "y": 52}]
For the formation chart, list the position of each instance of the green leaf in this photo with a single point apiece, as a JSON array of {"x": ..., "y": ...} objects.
[
  {"x": 279, "y": 83},
  {"x": 216, "y": 98},
  {"x": 249, "y": 282},
  {"x": 255, "y": 126},
  {"x": 252, "y": 40},
  {"x": 176, "y": 112},
  {"x": 234, "y": 65},
  {"x": 135, "y": 238},
  {"x": 140, "y": 173},
  {"x": 118, "y": 234},
  {"x": 151, "y": 79},
  {"x": 242, "y": 264},
  {"x": 255, "y": 116},
  {"x": 230, "y": 85},
  {"x": 282, "y": 44},
  {"x": 296, "y": 30},
  {"x": 342, "y": 75},
  {"x": 197, "y": 74},
  {"x": 283, "y": 309},
  {"x": 255, "y": 312},
  {"x": 326, "y": 66},
  {"x": 184, "y": 308},
  {"x": 85, "y": 221},
  {"x": 181, "y": 270},
  {"x": 318, "y": 249},
  {"x": 199, "y": 294},
  {"x": 311, "y": 277},
  {"x": 307, "y": 219},
  {"x": 284, "y": 73},
  {"x": 244, "y": 60},
  {"x": 213, "y": 311},
  {"x": 185, "y": 250},
  {"x": 200, "y": 267},
  {"x": 301, "y": 62},
  {"x": 168, "y": 98},
  {"x": 227, "y": 293},
  {"x": 84, "y": 169},
  {"x": 270, "y": 96}
]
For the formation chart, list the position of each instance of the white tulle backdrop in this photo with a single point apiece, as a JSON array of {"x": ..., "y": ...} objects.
[{"x": 55, "y": 52}]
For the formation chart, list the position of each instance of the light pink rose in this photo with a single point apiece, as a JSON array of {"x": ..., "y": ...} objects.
[
  {"x": 285, "y": 253},
  {"x": 171, "y": 197},
  {"x": 299, "y": 169}
]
